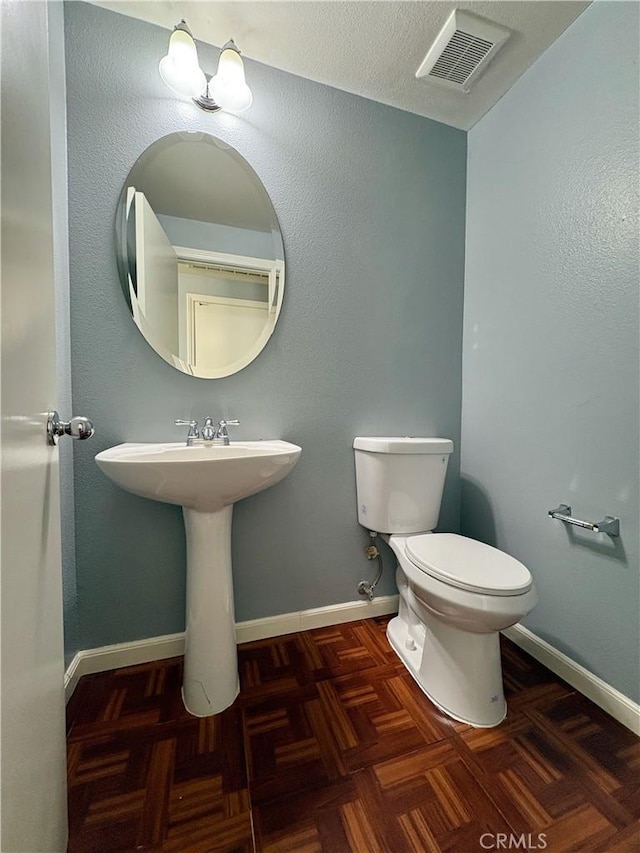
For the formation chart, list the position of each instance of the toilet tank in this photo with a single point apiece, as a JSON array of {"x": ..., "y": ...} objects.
[{"x": 400, "y": 481}]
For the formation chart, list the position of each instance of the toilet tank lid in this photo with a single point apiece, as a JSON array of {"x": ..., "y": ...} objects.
[{"x": 402, "y": 444}]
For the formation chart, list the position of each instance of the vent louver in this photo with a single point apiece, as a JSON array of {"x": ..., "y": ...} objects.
[{"x": 461, "y": 52}]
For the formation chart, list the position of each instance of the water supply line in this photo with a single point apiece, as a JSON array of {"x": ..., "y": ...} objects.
[{"x": 372, "y": 553}]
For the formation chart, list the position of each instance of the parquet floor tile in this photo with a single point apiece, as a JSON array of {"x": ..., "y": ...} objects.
[
  {"x": 143, "y": 774},
  {"x": 331, "y": 747}
]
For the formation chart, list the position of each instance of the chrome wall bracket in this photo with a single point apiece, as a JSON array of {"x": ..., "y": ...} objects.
[{"x": 609, "y": 524}]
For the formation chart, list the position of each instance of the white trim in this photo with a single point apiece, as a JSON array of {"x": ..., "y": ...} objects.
[
  {"x": 319, "y": 617},
  {"x": 157, "y": 648},
  {"x": 274, "y": 269},
  {"x": 119, "y": 655},
  {"x": 224, "y": 259},
  {"x": 621, "y": 708}
]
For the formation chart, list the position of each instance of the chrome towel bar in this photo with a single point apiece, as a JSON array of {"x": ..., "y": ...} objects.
[{"x": 609, "y": 524}]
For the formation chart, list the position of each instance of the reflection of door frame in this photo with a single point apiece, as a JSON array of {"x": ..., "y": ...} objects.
[
  {"x": 222, "y": 260},
  {"x": 193, "y": 299}
]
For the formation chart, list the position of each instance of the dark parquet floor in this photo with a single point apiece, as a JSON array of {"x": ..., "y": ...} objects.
[{"x": 331, "y": 747}]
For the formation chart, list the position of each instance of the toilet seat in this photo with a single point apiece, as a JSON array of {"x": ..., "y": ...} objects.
[{"x": 468, "y": 564}]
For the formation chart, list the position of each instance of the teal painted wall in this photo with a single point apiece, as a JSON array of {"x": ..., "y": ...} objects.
[
  {"x": 550, "y": 400},
  {"x": 371, "y": 203},
  {"x": 203, "y": 235}
]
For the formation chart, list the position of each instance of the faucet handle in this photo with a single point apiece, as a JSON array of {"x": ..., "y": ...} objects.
[
  {"x": 221, "y": 430},
  {"x": 193, "y": 427}
]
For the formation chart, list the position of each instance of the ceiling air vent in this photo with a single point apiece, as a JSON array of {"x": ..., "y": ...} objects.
[{"x": 461, "y": 52}]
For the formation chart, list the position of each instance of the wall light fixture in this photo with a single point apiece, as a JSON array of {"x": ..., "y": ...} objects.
[{"x": 180, "y": 70}]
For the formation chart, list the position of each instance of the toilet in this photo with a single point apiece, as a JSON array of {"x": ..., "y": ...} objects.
[{"x": 456, "y": 594}]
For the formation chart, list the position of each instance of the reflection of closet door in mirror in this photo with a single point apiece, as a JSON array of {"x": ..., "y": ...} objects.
[{"x": 200, "y": 255}]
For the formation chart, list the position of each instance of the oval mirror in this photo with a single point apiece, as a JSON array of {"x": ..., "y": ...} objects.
[{"x": 200, "y": 255}]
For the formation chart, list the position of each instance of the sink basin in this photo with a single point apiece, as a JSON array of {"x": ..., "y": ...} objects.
[
  {"x": 206, "y": 480},
  {"x": 201, "y": 477}
]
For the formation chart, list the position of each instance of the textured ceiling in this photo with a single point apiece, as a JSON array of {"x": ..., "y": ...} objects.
[{"x": 372, "y": 49}]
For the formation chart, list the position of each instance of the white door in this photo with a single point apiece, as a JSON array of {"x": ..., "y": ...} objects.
[
  {"x": 223, "y": 330},
  {"x": 156, "y": 276},
  {"x": 32, "y": 768}
]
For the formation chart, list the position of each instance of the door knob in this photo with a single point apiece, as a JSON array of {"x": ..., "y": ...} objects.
[{"x": 81, "y": 428}]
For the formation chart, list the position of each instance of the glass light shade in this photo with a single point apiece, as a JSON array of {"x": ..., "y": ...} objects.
[
  {"x": 179, "y": 68},
  {"x": 228, "y": 88}
]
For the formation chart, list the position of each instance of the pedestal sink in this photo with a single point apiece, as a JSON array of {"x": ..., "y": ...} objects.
[{"x": 205, "y": 480}]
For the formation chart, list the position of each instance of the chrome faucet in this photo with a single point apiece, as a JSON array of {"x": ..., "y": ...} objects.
[
  {"x": 208, "y": 430},
  {"x": 210, "y": 434}
]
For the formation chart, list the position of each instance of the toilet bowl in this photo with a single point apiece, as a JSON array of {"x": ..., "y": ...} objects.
[{"x": 456, "y": 594}]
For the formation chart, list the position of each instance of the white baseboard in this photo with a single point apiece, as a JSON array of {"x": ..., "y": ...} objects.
[
  {"x": 172, "y": 645},
  {"x": 319, "y": 617},
  {"x": 119, "y": 655},
  {"x": 619, "y": 706}
]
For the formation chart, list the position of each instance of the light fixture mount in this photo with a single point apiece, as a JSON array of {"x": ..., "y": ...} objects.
[
  {"x": 183, "y": 26},
  {"x": 205, "y": 101}
]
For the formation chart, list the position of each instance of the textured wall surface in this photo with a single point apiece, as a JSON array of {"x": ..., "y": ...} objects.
[
  {"x": 550, "y": 381},
  {"x": 371, "y": 206}
]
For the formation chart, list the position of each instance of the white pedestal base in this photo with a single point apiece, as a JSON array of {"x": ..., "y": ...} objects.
[
  {"x": 210, "y": 659},
  {"x": 459, "y": 671}
]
